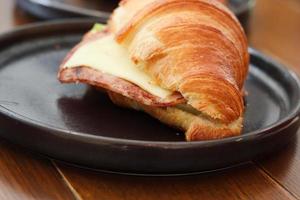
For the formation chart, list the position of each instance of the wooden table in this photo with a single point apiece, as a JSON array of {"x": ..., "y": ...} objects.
[{"x": 275, "y": 30}]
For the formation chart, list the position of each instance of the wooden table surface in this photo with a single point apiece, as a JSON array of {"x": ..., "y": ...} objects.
[{"x": 275, "y": 30}]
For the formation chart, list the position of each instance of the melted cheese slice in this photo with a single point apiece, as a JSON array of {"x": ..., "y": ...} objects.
[{"x": 109, "y": 57}]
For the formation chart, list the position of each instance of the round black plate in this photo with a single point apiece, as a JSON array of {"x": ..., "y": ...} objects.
[
  {"x": 101, "y": 9},
  {"x": 79, "y": 125}
]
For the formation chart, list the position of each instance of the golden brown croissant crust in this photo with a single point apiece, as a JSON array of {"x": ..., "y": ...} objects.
[{"x": 195, "y": 47}]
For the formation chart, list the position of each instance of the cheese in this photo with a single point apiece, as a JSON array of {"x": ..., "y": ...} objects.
[{"x": 109, "y": 57}]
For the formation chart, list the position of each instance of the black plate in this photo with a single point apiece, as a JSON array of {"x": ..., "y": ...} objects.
[
  {"x": 79, "y": 125},
  {"x": 101, "y": 9}
]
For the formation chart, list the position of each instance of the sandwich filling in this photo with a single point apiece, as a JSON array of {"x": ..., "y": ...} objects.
[{"x": 106, "y": 55}]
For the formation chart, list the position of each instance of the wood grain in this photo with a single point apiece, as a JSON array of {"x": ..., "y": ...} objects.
[
  {"x": 245, "y": 182},
  {"x": 284, "y": 167},
  {"x": 23, "y": 176},
  {"x": 275, "y": 30}
]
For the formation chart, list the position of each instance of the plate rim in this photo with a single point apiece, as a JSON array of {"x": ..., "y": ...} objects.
[{"x": 89, "y": 138}]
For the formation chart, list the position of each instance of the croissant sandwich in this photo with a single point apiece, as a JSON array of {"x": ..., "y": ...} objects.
[{"x": 182, "y": 62}]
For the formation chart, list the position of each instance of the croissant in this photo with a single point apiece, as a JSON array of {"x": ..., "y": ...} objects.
[{"x": 194, "y": 51}]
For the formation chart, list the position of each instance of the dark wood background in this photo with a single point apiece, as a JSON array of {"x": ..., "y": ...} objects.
[{"x": 275, "y": 30}]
